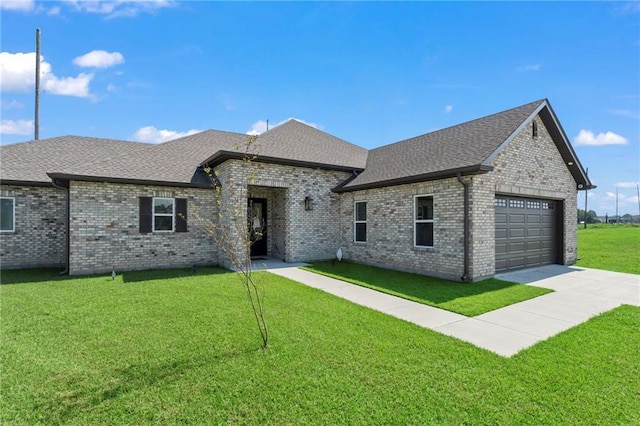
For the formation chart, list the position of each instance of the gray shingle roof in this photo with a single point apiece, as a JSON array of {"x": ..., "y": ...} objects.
[
  {"x": 30, "y": 161},
  {"x": 297, "y": 141},
  {"x": 464, "y": 147},
  {"x": 468, "y": 148},
  {"x": 175, "y": 161}
]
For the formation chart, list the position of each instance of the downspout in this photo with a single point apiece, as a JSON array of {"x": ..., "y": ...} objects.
[
  {"x": 465, "y": 184},
  {"x": 67, "y": 223}
]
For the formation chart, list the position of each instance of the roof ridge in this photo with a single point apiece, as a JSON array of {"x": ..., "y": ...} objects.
[
  {"x": 462, "y": 124},
  {"x": 74, "y": 137},
  {"x": 197, "y": 134}
]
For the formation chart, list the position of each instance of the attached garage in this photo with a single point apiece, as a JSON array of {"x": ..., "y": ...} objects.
[{"x": 528, "y": 232}]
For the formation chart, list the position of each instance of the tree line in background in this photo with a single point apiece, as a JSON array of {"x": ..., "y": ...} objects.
[{"x": 592, "y": 217}]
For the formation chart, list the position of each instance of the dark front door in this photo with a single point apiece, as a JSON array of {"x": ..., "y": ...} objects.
[{"x": 257, "y": 224}]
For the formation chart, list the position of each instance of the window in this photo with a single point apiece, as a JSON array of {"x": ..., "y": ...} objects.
[
  {"x": 360, "y": 222},
  {"x": 534, "y": 130},
  {"x": 547, "y": 205},
  {"x": 533, "y": 204},
  {"x": 500, "y": 202},
  {"x": 7, "y": 214},
  {"x": 161, "y": 214},
  {"x": 516, "y": 204},
  {"x": 423, "y": 221}
]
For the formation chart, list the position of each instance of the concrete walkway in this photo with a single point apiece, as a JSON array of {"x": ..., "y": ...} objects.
[{"x": 579, "y": 294}]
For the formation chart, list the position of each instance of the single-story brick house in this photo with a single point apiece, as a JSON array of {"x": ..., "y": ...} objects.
[{"x": 492, "y": 194}]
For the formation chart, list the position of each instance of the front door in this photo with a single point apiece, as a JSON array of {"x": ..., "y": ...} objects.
[{"x": 257, "y": 224}]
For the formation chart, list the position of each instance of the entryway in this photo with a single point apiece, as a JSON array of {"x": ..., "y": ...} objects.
[{"x": 257, "y": 227}]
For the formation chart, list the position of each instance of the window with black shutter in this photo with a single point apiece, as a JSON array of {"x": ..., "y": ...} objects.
[
  {"x": 146, "y": 215},
  {"x": 181, "y": 215}
]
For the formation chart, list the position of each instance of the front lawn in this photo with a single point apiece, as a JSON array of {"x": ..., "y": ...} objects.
[
  {"x": 170, "y": 347},
  {"x": 609, "y": 246},
  {"x": 468, "y": 299}
]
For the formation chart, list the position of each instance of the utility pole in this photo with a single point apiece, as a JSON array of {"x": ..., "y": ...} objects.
[
  {"x": 36, "y": 122},
  {"x": 585, "y": 203},
  {"x": 638, "y": 194},
  {"x": 617, "y": 217}
]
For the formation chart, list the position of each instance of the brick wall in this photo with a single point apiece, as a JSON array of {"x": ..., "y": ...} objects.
[
  {"x": 40, "y": 233},
  {"x": 305, "y": 235},
  {"x": 533, "y": 167},
  {"x": 105, "y": 229},
  {"x": 528, "y": 166},
  {"x": 390, "y": 240}
]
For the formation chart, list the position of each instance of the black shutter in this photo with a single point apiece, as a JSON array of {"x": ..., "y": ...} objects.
[
  {"x": 146, "y": 215},
  {"x": 181, "y": 215}
]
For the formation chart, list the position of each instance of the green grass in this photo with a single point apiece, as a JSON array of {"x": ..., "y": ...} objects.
[
  {"x": 169, "y": 347},
  {"x": 468, "y": 299},
  {"x": 610, "y": 247}
]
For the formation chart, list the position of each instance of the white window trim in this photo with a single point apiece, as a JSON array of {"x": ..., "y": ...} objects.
[
  {"x": 13, "y": 215},
  {"x": 154, "y": 214},
  {"x": 416, "y": 221},
  {"x": 356, "y": 221}
]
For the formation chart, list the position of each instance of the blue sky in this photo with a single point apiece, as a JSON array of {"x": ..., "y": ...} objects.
[{"x": 370, "y": 73}]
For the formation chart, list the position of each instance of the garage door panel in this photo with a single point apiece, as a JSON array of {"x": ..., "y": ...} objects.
[
  {"x": 525, "y": 232},
  {"x": 534, "y": 218},
  {"x": 516, "y": 262},
  {"x": 548, "y": 219},
  {"x": 516, "y": 246},
  {"x": 516, "y": 233},
  {"x": 534, "y": 245},
  {"x": 516, "y": 218},
  {"x": 501, "y": 218},
  {"x": 534, "y": 232}
]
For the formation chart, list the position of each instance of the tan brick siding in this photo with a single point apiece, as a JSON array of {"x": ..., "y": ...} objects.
[
  {"x": 527, "y": 166},
  {"x": 533, "y": 167},
  {"x": 390, "y": 228},
  {"x": 40, "y": 233},
  {"x": 303, "y": 235},
  {"x": 105, "y": 229}
]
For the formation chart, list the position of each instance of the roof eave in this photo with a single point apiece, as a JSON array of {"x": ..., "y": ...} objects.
[
  {"x": 558, "y": 134},
  {"x": 222, "y": 156},
  {"x": 83, "y": 178},
  {"x": 469, "y": 170},
  {"x": 560, "y": 139},
  {"x": 17, "y": 182}
]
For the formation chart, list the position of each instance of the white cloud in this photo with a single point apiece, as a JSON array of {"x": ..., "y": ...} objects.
[
  {"x": 627, "y": 184},
  {"x": 119, "y": 8},
  {"x": 448, "y": 109},
  {"x": 626, "y": 113},
  {"x": 99, "y": 59},
  {"x": 152, "y": 134},
  {"x": 16, "y": 127},
  {"x": 529, "y": 68},
  {"x": 17, "y": 74},
  {"x": 587, "y": 137},
  {"x": 18, "y": 5},
  {"x": 54, "y": 11},
  {"x": 626, "y": 8},
  {"x": 68, "y": 86},
  {"x": 111, "y": 88},
  {"x": 260, "y": 126},
  {"x": 13, "y": 104}
]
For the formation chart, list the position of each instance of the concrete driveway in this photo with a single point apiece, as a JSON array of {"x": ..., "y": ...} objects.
[{"x": 579, "y": 294}]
